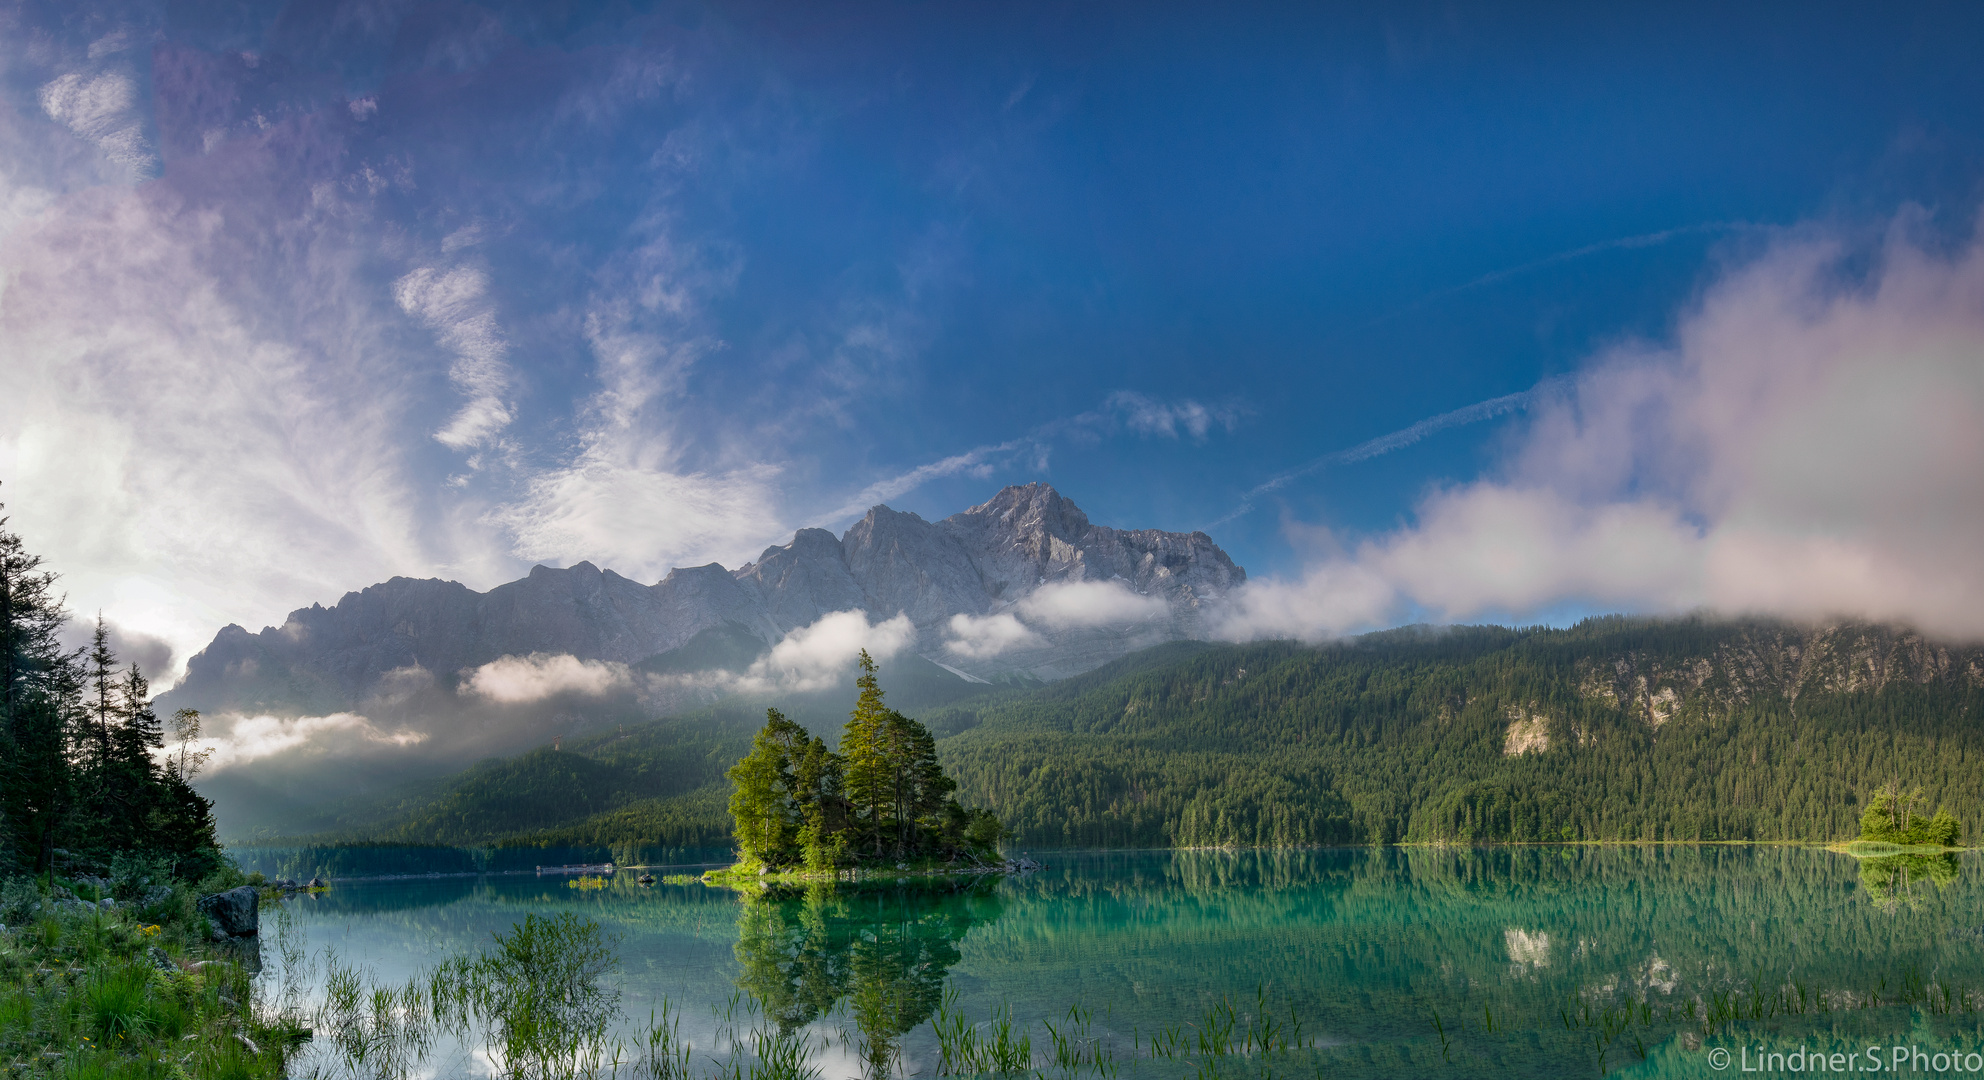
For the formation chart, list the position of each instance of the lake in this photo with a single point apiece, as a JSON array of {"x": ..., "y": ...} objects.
[{"x": 1524, "y": 961}]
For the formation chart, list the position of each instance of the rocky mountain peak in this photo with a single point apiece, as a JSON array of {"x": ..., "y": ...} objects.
[{"x": 1035, "y": 509}]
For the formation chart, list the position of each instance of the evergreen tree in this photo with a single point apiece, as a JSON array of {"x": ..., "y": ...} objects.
[
  {"x": 865, "y": 747},
  {"x": 37, "y": 681},
  {"x": 101, "y": 678},
  {"x": 77, "y": 740}
]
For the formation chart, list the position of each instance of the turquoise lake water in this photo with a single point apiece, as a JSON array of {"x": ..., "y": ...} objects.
[{"x": 1532, "y": 961}]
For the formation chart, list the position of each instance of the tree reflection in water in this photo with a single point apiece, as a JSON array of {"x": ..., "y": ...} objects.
[
  {"x": 883, "y": 951},
  {"x": 1891, "y": 879}
]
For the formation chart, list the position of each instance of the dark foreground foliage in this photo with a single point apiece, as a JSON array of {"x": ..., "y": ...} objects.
[{"x": 79, "y": 781}]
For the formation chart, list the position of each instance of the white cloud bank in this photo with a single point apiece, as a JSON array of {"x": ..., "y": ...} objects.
[
  {"x": 1810, "y": 445},
  {"x": 252, "y": 738},
  {"x": 1056, "y": 606},
  {"x": 514, "y": 680},
  {"x": 820, "y": 655}
]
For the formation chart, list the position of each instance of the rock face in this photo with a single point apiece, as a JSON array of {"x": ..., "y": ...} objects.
[
  {"x": 395, "y": 641},
  {"x": 1775, "y": 660},
  {"x": 234, "y": 913}
]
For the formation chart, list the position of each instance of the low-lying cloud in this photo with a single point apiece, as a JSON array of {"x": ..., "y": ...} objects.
[
  {"x": 514, "y": 680},
  {"x": 1810, "y": 445},
  {"x": 981, "y": 637},
  {"x": 820, "y": 655},
  {"x": 248, "y": 739},
  {"x": 1065, "y": 605},
  {"x": 1062, "y": 605}
]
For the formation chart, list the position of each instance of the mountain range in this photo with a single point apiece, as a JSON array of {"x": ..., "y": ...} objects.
[
  {"x": 986, "y": 561},
  {"x": 425, "y": 673}
]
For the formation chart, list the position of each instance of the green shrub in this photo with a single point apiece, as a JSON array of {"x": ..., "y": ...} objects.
[
  {"x": 18, "y": 900},
  {"x": 132, "y": 876}
]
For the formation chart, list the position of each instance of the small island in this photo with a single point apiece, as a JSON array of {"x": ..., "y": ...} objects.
[
  {"x": 1891, "y": 826},
  {"x": 881, "y": 806}
]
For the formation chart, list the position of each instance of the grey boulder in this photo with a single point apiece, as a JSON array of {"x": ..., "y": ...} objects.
[{"x": 235, "y": 913}]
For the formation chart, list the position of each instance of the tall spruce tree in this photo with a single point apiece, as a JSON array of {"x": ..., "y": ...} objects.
[
  {"x": 763, "y": 799},
  {"x": 37, "y": 683},
  {"x": 865, "y": 747}
]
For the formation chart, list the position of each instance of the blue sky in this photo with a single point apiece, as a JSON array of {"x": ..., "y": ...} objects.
[{"x": 331, "y": 292}]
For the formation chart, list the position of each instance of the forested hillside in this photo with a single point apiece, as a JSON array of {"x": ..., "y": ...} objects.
[
  {"x": 1615, "y": 729},
  {"x": 658, "y": 784}
]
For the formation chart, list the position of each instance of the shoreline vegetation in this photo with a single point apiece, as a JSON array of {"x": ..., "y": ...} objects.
[{"x": 119, "y": 909}]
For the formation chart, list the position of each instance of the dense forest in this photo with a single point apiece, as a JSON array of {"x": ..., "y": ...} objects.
[
  {"x": 1616, "y": 729},
  {"x": 83, "y": 784}
]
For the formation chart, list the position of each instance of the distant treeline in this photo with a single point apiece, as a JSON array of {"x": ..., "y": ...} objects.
[{"x": 81, "y": 782}]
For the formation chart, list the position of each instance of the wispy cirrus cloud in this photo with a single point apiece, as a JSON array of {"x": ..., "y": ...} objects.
[
  {"x": 102, "y": 107},
  {"x": 455, "y": 305},
  {"x": 1150, "y": 416}
]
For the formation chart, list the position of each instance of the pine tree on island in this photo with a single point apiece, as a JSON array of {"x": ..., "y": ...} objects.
[{"x": 882, "y": 799}]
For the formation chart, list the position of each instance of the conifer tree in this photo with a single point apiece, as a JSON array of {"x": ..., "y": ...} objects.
[
  {"x": 76, "y": 743},
  {"x": 864, "y": 746},
  {"x": 761, "y": 799},
  {"x": 101, "y": 676},
  {"x": 37, "y": 681}
]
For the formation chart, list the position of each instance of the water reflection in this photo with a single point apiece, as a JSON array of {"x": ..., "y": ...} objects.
[
  {"x": 883, "y": 953},
  {"x": 1894, "y": 881}
]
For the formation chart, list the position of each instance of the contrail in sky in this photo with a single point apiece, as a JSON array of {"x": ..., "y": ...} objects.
[
  {"x": 1645, "y": 240},
  {"x": 1385, "y": 444}
]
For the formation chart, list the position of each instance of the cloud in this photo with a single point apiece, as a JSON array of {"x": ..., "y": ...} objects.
[
  {"x": 1064, "y": 605},
  {"x": 820, "y": 655},
  {"x": 1067, "y": 604},
  {"x": 153, "y": 655},
  {"x": 1390, "y": 441},
  {"x": 1149, "y": 416},
  {"x": 252, "y": 738},
  {"x": 1810, "y": 445},
  {"x": 1139, "y": 412},
  {"x": 455, "y": 306},
  {"x": 182, "y": 461},
  {"x": 513, "y": 680},
  {"x": 625, "y": 500},
  {"x": 101, "y": 108},
  {"x": 981, "y": 637}
]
